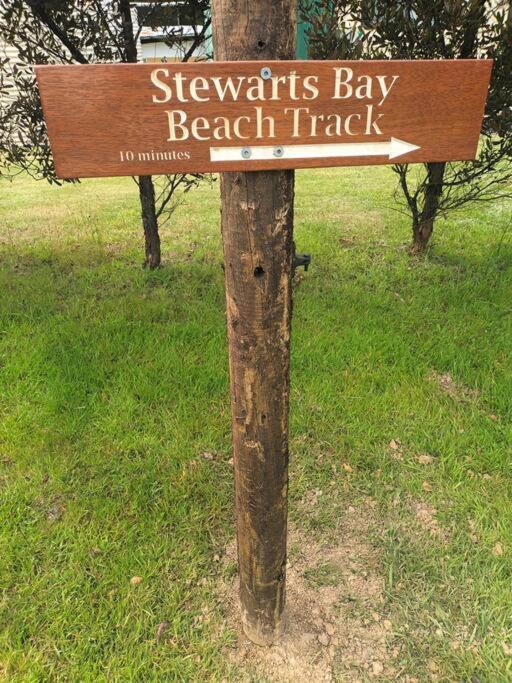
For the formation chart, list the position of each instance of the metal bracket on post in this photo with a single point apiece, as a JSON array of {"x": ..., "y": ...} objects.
[{"x": 301, "y": 261}]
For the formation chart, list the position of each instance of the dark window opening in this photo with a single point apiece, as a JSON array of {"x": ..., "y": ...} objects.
[{"x": 179, "y": 14}]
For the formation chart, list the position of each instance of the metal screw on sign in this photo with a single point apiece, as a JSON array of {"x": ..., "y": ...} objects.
[
  {"x": 266, "y": 73},
  {"x": 278, "y": 152},
  {"x": 246, "y": 152}
]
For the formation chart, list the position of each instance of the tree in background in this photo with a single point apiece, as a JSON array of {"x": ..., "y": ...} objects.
[
  {"x": 83, "y": 32},
  {"x": 431, "y": 29}
]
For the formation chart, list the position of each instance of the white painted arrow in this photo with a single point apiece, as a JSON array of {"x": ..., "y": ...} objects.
[{"x": 392, "y": 149}]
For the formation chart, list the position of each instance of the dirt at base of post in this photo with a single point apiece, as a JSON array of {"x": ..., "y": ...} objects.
[{"x": 336, "y": 628}]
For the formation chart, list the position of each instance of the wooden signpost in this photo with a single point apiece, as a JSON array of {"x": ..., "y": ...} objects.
[
  {"x": 136, "y": 119},
  {"x": 268, "y": 116}
]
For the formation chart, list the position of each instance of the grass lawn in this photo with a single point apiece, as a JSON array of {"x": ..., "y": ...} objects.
[{"x": 115, "y": 434}]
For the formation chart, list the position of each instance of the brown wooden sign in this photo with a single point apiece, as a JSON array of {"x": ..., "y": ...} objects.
[{"x": 146, "y": 119}]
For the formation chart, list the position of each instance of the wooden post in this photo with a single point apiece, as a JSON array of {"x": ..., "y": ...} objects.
[{"x": 257, "y": 231}]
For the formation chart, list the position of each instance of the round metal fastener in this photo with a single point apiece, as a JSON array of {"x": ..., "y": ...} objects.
[
  {"x": 278, "y": 152},
  {"x": 266, "y": 73},
  {"x": 246, "y": 152}
]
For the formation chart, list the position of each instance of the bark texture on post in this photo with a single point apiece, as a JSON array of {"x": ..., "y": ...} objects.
[{"x": 257, "y": 230}]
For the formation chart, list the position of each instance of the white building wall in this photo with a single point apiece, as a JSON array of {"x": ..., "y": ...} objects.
[{"x": 12, "y": 55}]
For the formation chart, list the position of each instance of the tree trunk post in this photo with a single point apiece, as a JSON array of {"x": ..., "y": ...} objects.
[
  {"x": 150, "y": 222},
  {"x": 149, "y": 216},
  {"x": 257, "y": 231},
  {"x": 423, "y": 224}
]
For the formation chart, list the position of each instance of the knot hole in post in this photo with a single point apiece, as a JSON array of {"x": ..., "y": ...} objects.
[{"x": 259, "y": 272}]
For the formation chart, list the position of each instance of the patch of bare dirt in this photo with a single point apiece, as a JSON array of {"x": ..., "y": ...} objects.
[
  {"x": 426, "y": 515},
  {"x": 424, "y": 459},
  {"x": 457, "y": 391},
  {"x": 336, "y": 625}
]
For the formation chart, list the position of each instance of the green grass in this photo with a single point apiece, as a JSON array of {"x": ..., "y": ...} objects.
[
  {"x": 324, "y": 574},
  {"x": 113, "y": 382}
]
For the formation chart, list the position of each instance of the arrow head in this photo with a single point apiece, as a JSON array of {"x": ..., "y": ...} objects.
[{"x": 398, "y": 148}]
